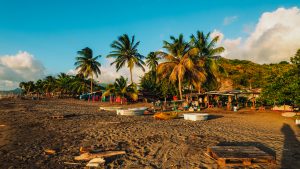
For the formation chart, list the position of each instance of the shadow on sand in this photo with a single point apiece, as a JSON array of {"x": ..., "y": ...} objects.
[
  {"x": 291, "y": 148},
  {"x": 212, "y": 117}
]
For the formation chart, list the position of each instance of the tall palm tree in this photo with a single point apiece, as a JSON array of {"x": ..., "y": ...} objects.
[
  {"x": 121, "y": 89},
  {"x": 206, "y": 51},
  {"x": 125, "y": 51},
  {"x": 87, "y": 64},
  {"x": 180, "y": 62}
]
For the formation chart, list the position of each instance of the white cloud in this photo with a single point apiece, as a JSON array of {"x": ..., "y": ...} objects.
[
  {"x": 275, "y": 38},
  {"x": 20, "y": 67},
  {"x": 109, "y": 73},
  {"x": 229, "y": 20}
]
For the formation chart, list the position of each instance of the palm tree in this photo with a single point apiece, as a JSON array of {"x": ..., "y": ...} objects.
[
  {"x": 180, "y": 62},
  {"x": 63, "y": 83},
  {"x": 120, "y": 88},
  {"x": 87, "y": 64},
  {"x": 152, "y": 60},
  {"x": 49, "y": 84},
  {"x": 125, "y": 50},
  {"x": 79, "y": 84},
  {"x": 206, "y": 50}
]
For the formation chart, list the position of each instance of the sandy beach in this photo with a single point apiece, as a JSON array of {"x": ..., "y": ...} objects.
[{"x": 26, "y": 129}]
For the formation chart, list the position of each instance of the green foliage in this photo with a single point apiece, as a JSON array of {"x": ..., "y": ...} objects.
[
  {"x": 152, "y": 88},
  {"x": 125, "y": 51},
  {"x": 121, "y": 89},
  {"x": 284, "y": 88}
]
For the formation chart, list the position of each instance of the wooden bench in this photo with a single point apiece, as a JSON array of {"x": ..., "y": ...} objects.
[{"x": 239, "y": 155}]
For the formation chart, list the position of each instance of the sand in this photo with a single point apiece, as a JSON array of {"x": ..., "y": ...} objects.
[{"x": 26, "y": 129}]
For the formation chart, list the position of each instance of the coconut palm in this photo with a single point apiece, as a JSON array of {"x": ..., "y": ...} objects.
[
  {"x": 125, "y": 51},
  {"x": 79, "y": 84},
  {"x": 152, "y": 60},
  {"x": 121, "y": 89},
  {"x": 180, "y": 61},
  {"x": 49, "y": 84},
  {"x": 63, "y": 82},
  {"x": 88, "y": 65},
  {"x": 206, "y": 51}
]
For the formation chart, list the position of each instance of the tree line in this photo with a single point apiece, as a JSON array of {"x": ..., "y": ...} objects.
[{"x": 184, "y": 64}]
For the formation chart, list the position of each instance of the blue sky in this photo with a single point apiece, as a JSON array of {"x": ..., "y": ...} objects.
[{"x": 54, "y": 30}]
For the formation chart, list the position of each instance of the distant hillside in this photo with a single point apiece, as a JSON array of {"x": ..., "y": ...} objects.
[
  {"x": 11, "y": 92},
  {"x": 243, "y": 74}
]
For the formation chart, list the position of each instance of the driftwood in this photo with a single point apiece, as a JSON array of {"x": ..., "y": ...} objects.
[
  {"x": 89, "y": 156},
  {"x": 95, "y": 162},
  {"x": 71, "y": 163}
]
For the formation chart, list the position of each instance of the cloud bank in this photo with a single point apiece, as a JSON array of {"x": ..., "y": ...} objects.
[
  {"x": 276, "y": 37},
  {"x": 109, "y": 74},
  {"x": 20, "y": 67}
]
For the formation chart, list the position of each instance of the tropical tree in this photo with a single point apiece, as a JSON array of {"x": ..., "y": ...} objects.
[
  {"x": 79, "y": 84},
  {"x": 88, "y": 65},
  {"x": 152, "y": 60},
  {"x": 180, "y": 61},
  {"x": 49, "y": 84},
  {"x": 28, "y": 87},
  {"x": 63, "y": 82},
  {"x": 121, "y": 89},
  {"x": 207, "y": 49},
  {"x": 125, "y": 51}
]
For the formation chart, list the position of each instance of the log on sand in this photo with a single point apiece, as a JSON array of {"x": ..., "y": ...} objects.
[{"x": 89, "y": 156}]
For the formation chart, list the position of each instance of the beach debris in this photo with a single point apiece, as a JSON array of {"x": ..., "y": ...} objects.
[
  {"x": 239, "y": 155},
  {"x": 62, "y": 116},
  {"x": 88, "y": 156},
  {"x": 166, "y": 115},
  {"x": 72, "y": 163},
  {"x": 49, "y": 151},
  {"x": 95, "y": 162}
]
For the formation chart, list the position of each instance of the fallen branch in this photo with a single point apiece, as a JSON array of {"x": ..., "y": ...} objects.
[
  {"x": 89, "y": 156},
  {"x": 71, "y": 163}
]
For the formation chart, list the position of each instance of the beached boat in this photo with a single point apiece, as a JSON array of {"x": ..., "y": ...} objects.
[
  {"x": 132, "y": 111},
  {"x": 166, "y": 115},
  {"x": 195, "y": 116},
  {"x": 110, "y": 108}
]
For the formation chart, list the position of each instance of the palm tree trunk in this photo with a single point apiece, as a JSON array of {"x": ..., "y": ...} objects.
[
  {"x": 179, "y": 87},
  {"x": 92, "y": 84},
  {"x": 130, "y": 69}
]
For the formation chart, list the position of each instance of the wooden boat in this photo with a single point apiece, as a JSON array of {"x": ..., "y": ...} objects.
[{"x": 166, "y": 115}]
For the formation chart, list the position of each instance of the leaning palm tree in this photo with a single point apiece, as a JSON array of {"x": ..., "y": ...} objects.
[
  {"x": 181, "y": 61},
  {"x": 87, "y": 64},
  {"x": 125, "y": 51}
]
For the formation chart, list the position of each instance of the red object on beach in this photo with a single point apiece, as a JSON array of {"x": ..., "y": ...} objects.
[
  {"x": 175, "y": 98},
  {"x": 118, "y": 100}
]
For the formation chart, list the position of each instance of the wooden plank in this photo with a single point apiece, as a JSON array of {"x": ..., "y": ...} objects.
[
  {"x": 239, "y": 155},
  {"x": 89, "y": 156}
]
